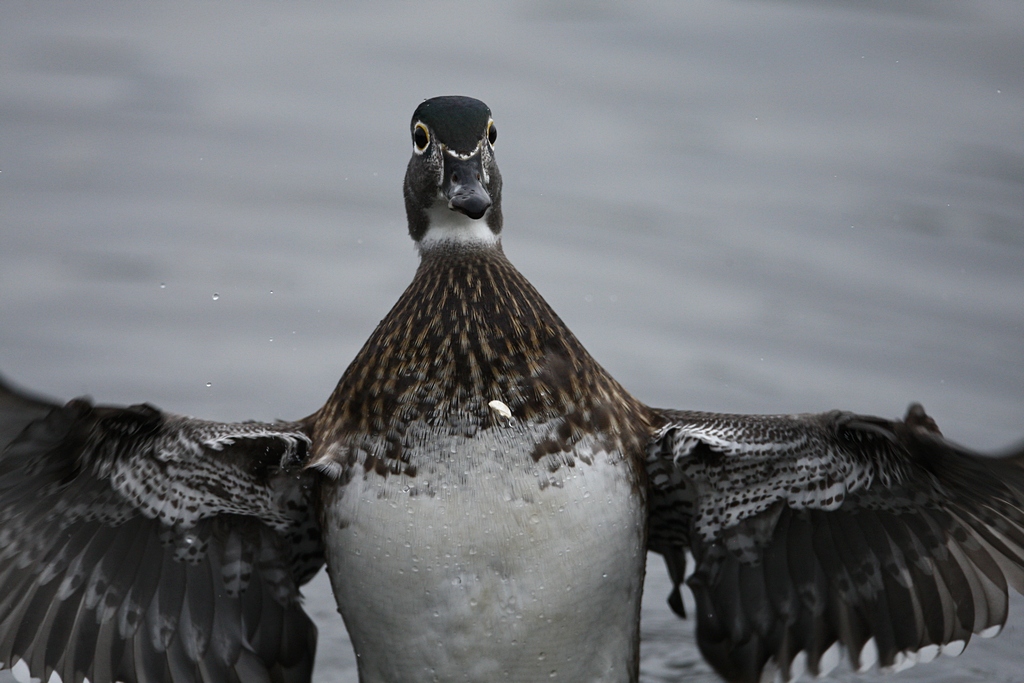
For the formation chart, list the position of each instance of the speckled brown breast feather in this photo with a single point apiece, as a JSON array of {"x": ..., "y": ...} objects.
[{"x": 471, "y": 329}]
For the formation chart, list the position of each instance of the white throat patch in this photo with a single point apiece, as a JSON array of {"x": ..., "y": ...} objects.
[{"x": 451, "y": 227}]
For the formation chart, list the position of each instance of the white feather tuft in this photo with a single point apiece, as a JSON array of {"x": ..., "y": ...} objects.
[
  {"x": 830, "y": 659},
  {"x": 868, "y": 655}
]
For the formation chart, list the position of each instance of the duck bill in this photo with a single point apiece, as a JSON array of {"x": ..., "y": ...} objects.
[{"x": 463, "y": 187}]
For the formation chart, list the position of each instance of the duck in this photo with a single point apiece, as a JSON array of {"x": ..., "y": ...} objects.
[{"x": 484, "y": 496}]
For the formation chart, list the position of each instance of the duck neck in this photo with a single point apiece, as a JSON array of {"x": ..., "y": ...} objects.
[{"x": 470, "y": 329}]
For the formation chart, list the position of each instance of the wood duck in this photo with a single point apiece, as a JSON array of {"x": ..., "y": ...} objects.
[{"x": 484, "y": 495}]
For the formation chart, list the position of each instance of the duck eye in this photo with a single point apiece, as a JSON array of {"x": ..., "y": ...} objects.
[
  {"x": 420, "y": 136},
  {"x": 492, "y": 132}
]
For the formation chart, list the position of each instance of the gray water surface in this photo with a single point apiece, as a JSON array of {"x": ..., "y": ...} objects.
[{"x": 739, "y": 206}]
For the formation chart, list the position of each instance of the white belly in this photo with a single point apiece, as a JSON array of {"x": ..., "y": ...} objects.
[{"x": 486, "y": 566}]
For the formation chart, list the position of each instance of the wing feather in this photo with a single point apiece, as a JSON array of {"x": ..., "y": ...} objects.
[
  {"x": 139, "y": 546},
  {"x": 810, "y": 531}
]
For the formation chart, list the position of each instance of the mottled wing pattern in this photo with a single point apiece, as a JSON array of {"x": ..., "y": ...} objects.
[
  {"x": 816, "y": 533},
  {"x": 138, "y": 546}
]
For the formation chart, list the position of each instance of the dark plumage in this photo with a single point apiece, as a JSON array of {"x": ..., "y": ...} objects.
[
  {"x": 470, "y": 328},
  {"x": 472, "y": 455},
  {"x": 114, "y": 566},
  {"x": 457, "y": 121},
  {"x": 835, "y": 528}
]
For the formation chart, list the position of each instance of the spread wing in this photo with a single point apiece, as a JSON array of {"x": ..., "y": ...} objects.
[
  {"x": 816, "y": 533},
  {"x": 140, "y": 546}
]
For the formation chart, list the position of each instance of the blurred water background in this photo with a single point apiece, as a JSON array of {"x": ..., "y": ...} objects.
[{"x": 751, "y": 206}]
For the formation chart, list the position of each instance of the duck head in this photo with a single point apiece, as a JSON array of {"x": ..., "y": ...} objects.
[{"x": 452, "y": 184}]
